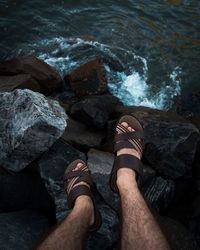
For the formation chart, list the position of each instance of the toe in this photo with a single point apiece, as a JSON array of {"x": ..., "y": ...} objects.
[
  {"x": 78, "y": 166},
  {"x": 125, "y": 124},
  {"x": 129, "y": 128}
]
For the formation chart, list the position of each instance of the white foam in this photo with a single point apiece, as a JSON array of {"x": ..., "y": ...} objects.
[
  {"x": 131, "y": 89},
  {"x": 131, "y": 86}
]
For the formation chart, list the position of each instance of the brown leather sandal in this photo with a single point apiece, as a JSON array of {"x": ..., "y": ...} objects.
[
  {"x": 127, "y": 139},
  {"x": 71, "y": 178}
]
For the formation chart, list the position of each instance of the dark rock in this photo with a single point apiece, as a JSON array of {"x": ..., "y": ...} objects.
[
  {"x": 159, "y": 193},
  {"x": 21, "y": 230},
  {"x": 78, "y": 133},
  {"x": 29, "y": 125},
  {"x": 52, "y": 166},
  {"x": 9, "y": 83},
  {"x": 100, "y": 164},
  {"x": 188, "y": 104},
  {"x": 178, "y": 236},
  {"x": 67, "y": 100},
  {"x": 194, "y": 218},
  {"x": 88, "y": 79},
  {"x": 95, "y": 110},
  {"x": 109, "y": 231},
  {"x": 24, "y": 191},
  {"x": 170, "y": 141},
  {"x": 194, "y": 226},
  {"x": 45, "y": 75}
]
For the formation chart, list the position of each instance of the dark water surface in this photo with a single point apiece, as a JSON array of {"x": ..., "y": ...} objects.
[{"x": 151, "y": 48}]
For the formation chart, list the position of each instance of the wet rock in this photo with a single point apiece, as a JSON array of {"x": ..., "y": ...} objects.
[
  {"x": 170, "y": 141},
  {"x": 21, "y": 230},
  {"x": 78, "y": 133},
  {"x": 52, "y": 166},
  {"x": 95, "y": 110},
  {"x": 24, "y": 191},
  {"x": 89, "y": 79},
  {"x": 23, "y": 81},
  {"x": 159, "y": 193},
  {"x": 178, "y": 236},
  {"x": 45, "y": 75},
  {"x": 29, "y": 125}
]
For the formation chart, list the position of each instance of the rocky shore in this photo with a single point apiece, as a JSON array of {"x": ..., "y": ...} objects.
[{"x": 47, "y": 121}]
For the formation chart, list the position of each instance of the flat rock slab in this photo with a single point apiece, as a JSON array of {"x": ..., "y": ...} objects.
[
  {"x": 170, "y": 140},
  {"x": 29, "y": 125},
  {"x": 22, "y": 230},
  {"x": 47, "y": 78},
  {"x": 89, "y": 79},
  {"x": 52, "y": 167}
]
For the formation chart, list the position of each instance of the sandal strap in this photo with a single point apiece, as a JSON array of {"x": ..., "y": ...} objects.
[
  {"x": 74, "y": 177},
  {"x": 128, "y": 161},
  {"x": 128, "y": 144},
  {"x": 76, "y": 192},
  {"x": 77, "y": 173},
  {"x": 129, "y": 135}
]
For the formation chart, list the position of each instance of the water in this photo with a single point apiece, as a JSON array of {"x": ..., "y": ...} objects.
[{"x": 151, "y": 48}]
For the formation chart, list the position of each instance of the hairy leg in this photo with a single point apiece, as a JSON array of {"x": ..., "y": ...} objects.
[
  {"x": 71, "y": 234},
  {"x": 140, "y": 230}
]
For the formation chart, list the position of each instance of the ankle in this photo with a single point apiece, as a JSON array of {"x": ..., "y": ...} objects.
[
  {"x": 126, "y": 179},
  {"x": 85, "y": 203}
]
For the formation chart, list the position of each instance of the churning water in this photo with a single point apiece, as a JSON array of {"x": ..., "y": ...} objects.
[{"x": 151, "y": 48}]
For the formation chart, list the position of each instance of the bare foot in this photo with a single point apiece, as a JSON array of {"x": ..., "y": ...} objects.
[
  {"x": 84, "y": 201},
  {"x": 126, "y": 176}
]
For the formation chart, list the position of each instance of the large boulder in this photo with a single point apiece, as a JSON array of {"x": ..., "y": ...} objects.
[
  {"x": 47, "y": 78},
  {"x": 52, "y": 167},
  {"x": 95, "y": 110},
  {"x": 22, "y": 230},
  {"x": 29, "y": 125},
  {"x": 22, "y": 81},
  {"x": 170, "y": 140},
  {"x": 89, "y": 79}
]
